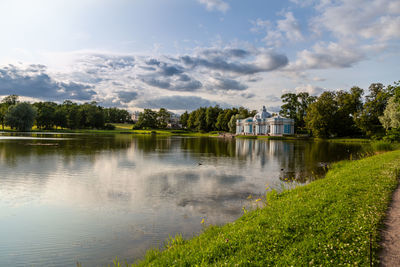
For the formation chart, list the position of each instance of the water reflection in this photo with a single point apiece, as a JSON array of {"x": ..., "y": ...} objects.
[{"x": 90, "y": 198}]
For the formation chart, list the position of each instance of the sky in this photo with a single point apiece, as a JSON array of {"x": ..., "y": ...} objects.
[{"x": 183, "y": 54}]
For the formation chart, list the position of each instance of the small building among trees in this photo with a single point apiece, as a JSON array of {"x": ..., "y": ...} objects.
[{"x": 263, "y": 123}]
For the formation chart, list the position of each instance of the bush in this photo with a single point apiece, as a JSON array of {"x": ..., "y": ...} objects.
[{"x": 392, "y": 135}]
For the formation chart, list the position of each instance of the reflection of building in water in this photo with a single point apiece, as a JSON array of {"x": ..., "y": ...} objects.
[
  {"x": 282, "y": 151},
  {"x": 246, "y": 147},
  {"x": 264, "y": 124}
]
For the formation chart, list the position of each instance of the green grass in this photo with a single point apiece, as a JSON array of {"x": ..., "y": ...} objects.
[
  {"x": 348, "y": 140},
  {"x": 329, "y": 222}
]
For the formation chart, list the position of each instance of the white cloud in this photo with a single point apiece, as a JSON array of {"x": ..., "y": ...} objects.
[
  {"x": 378, "y": 20},
  {"x": 325, "y": 56},
  {"x": 287, "y": 29},
  {"x": 312, "y": 90},
  {"x": 290, "y": 27},
  {"x": 219, "y": 5}
]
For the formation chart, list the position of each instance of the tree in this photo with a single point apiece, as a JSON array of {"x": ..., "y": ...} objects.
[
  {"x": 21, "y": 116},
  {"x": 163, "y": 118},
  {"x": 5, "y": 104},
  {"x": 147, "y": 119},
  {"x": 391, "y": 115},
  {"x": 3, "y": 112},
  {"x": 184, "y": 119},
  {"x": 94, "y": 116},
  {"x": 10, "y": 100},
  {"x": 289, "y": 108},
  {"x": 211, "y": 117},
  {"x": 349, "y": 105},
  {"x": 60, "y": 117},
  {"x": 304, "y": 100},
  {"x": 295, "y": 107},
  {"x": 45, "y": 114},
  {"x": 368, "y": 118},
  {"x": 200, "y": 119},
  {"x": 232, "y": 122},
  {"x": 115, "y": 115},
  {"x": 191, "y": 120},
  {"x": 321, "y": 115}
]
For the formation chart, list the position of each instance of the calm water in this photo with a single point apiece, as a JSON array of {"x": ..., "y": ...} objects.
[{"x": 68, "y": 198}]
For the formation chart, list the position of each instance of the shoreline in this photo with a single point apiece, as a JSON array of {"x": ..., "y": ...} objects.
[{"x": 180, "y": 132}]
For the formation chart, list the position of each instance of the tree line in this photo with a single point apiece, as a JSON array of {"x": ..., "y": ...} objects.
[
  {"x": 214, "y": 118},
  {"x": 332, "y": 114},
  {"x": 344, "y": 113},
  {"x": 47, "y": 115}
]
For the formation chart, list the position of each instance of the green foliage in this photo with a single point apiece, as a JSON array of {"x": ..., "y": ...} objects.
[
  {"x": 391, "y": 115},
  {"x": 3, "y": 112},
  {"x": 333, "y": 113},
  {"x": 67, "y": 115},
  {"x": 214, "y": 119},
  {"x": 116, "y": 115},
  {"x": 5, "y": 104},
  {"x": 10, "y": 100},
  {"x": 163, "y": 118},
  {"x": 183, "y": 120},
  {"x": 320, "y": 118},
  {"x": 330, "y": 222},
  {"x": 368, "y": 119},
  {"x": 21, "y": 116},
  {"x": 295, "y": 107},
  {"x": 147, "y": 120},
  {"x": 46, "y": 112}
]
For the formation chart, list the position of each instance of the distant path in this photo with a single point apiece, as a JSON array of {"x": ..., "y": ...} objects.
[{"x": 390, "y": 254}]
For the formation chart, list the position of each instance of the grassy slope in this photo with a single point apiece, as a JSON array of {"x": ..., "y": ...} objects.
[{"x": 328, "y": 222}]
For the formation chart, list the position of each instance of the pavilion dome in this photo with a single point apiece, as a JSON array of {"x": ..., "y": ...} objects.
[{"x": 263, "y": 114}]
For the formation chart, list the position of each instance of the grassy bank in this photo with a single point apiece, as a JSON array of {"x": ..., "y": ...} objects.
[{"x": 332, "y": 221}]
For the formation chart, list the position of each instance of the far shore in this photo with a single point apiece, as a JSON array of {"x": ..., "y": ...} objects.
[{"x": 121, "y": 128}]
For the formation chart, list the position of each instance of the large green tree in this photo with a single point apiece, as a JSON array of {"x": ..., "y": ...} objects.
[
  {"x": 391, "y": 115},
  {"x": 295, "y": 107},
  {"x": 45, "y": 117},
  {"x": 183, "y": 120},
  {"x": 21, "y": 116},
  {"x": 320, "y": 118},
  {"x": 147, "y": 119},
  {"x": 368, "y": 118},
  {"x": 163, "y": 118}
]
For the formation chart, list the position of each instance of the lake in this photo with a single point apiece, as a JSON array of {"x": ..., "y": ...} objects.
[{"x": 67, "y": 198}]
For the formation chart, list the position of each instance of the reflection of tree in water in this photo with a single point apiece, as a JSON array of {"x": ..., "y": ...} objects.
[
  {"x": 66, "y": 145},
  {"x": 311, "y": 160},
  {"x": 299, "y": 161}
]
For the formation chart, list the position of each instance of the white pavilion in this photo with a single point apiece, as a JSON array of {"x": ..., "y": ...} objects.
[{"x": 263, "y": 123}]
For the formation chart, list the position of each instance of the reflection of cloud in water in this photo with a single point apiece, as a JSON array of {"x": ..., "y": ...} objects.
[
  {"x": 229, "y": 179},
  {"x": 150, "y": 183},
  {"x": 119, "y": 195}
]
